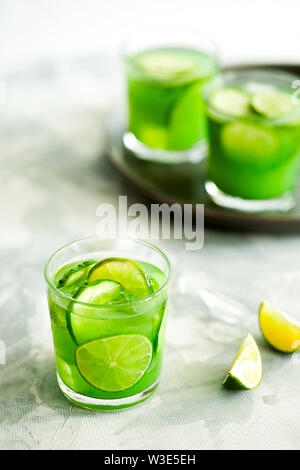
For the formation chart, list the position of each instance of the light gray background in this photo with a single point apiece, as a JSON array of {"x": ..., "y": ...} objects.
[{"x": 61, "y": 80}]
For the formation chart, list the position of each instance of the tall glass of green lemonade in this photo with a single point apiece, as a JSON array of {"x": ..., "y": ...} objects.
[
  {"x": 166, "y": 120},
  {"x": 108, "y": 308},
  {"x": 254, "y": 140}
]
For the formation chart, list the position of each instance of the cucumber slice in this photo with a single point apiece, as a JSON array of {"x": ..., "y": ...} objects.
[
  {"x": 124, "y": 271},
  {"x": 231, "y": 101},
  {"x": 272, "y": 105},
  {"x": 83, "y": 326},
  {"x": 73, "y": 272},
  {"x": 98, "y": 293}
]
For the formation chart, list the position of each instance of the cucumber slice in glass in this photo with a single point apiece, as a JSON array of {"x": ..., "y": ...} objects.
[
  {"x": 98, "y": 293},
  {"x": 83, "y": 325},
  {"x": 73, "y": 272}
]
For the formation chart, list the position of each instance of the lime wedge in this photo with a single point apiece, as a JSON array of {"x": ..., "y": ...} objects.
[
  {"x": 125, "y": 271},
  {"x": 279, "y": 330},
  {"x": 272, "y": 105},
  {"x": 116, "y": 363},
  {"x": 187, "y": 124},
  {"x": 231, "y": 101},
  {"x": 246, "y": 371},
  {"x": 245, "y": 142}
]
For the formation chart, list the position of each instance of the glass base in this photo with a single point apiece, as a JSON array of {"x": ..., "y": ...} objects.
[
  {"x": 98, "y": 404},
  {"x": 193, "y": 155},
  {"x": 283, "y": 203}
]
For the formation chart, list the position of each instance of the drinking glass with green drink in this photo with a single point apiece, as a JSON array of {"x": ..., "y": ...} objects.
[
  {"x": 166, "y": 120},
  {"x": 254, "y": 140},
  {"x": 108, "y": 308}
]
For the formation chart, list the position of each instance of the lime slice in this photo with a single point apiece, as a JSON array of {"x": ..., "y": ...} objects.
[
  {"x": 165, "y": 64},
  {"x": 246, "y": 371},
  {"x": 125, "y": 271},
  {"x": 116, "y": 363},
  {"x": 231, "y": 101},
  {"x": 272, "y": 105},
  {"x": 279, "y": 330},
  {"x": 245, "y": 142}
]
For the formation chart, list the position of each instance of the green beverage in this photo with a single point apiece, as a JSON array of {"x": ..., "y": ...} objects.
[
  {"x": 165, "y": 104},
  {"x": 254, "y": 129},
  {"x": 108, "y": 318}
]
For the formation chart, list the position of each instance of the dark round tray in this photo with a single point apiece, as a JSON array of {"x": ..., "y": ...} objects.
[{"x": 184, "y": 183}]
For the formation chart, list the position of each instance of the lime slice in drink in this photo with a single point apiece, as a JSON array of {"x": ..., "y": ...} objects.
[
  {"x": 272, "y": 105},
  {"x": 187, "y": 124},
  {"x": 245, "y": 142},
  {"x": 279, "y": 330},
  {"x": 125, "y": 271},
  {"x": 231, "y": 101},
  {"x": 116, "y": 363},
  {"x": 246, "y": 371}
]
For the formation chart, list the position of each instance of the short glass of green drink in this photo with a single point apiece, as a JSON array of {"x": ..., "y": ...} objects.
[
  {"x": 254, "y": 140},
  {"x": 108, "y": 308},
  {"x": 165, "y": 76}
]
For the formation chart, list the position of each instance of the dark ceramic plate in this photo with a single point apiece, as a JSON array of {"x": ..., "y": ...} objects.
[{"x": 184, "y": 183}]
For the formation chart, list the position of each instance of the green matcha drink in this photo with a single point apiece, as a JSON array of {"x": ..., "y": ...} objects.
[
  {"x": 108, "y": 318},
  {"x": 165, "y": 105},
  {"x": 254, "y": 134}
]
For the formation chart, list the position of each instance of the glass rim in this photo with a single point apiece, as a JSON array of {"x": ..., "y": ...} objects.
[
  {"x": 185, "y": 41},
  {"x": 105, "y": 307},
  {"x": 230, "y": 76}
]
